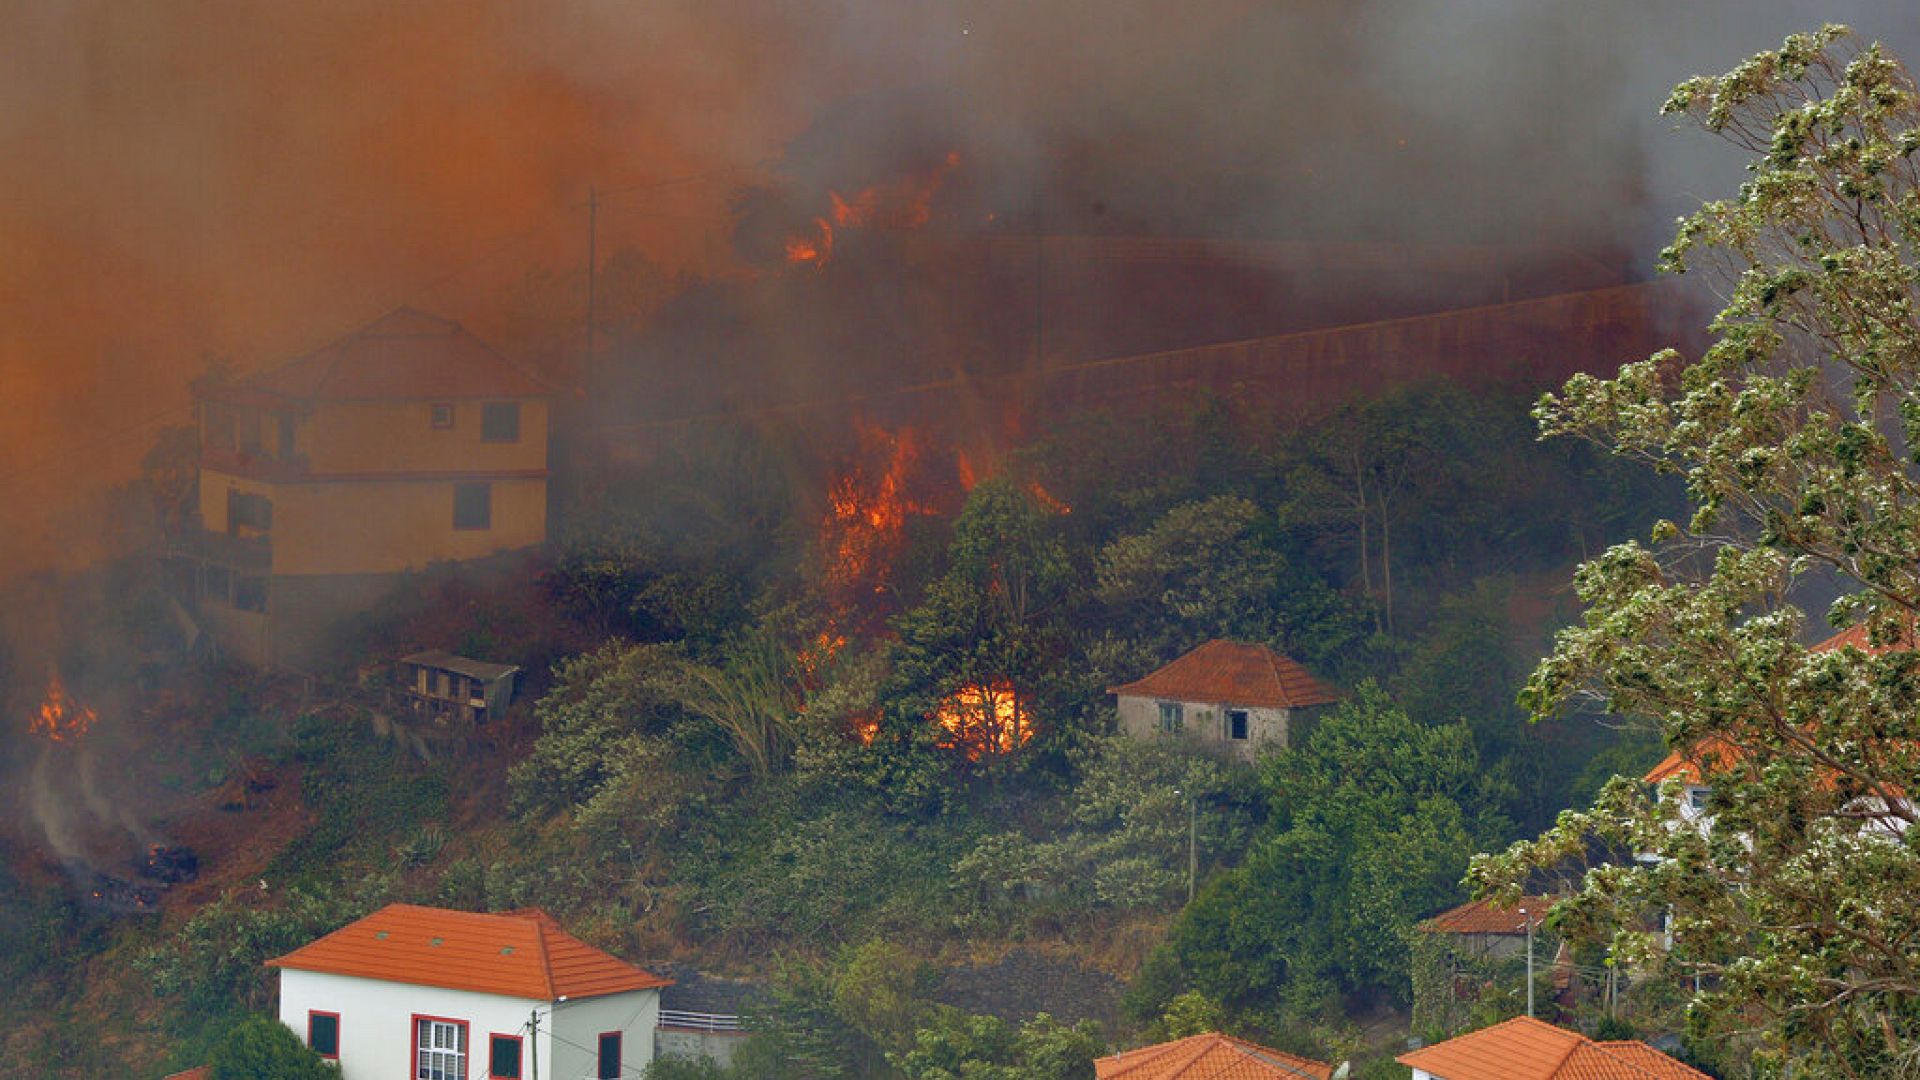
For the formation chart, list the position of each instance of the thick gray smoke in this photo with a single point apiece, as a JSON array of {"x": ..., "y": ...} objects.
[{"x": 247, "y": 181}]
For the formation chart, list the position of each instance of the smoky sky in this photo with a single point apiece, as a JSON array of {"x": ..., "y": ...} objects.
[{"x": 182, "y": 183}]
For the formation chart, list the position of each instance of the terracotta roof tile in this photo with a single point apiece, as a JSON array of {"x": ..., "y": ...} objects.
[
  {"x": 407, "y": 355},
  {"x": 198, "y": 1072},
  {"x": 1527, "y": 1049},
  {"x": 522, "y": 954},
  {"x": 1212, "y": 1056},
  {"x": 1481, "y": 917},
  {"x": 1233, "y": 673}
]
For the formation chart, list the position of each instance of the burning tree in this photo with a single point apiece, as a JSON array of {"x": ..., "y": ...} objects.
[{"x": 981, "y": 644}]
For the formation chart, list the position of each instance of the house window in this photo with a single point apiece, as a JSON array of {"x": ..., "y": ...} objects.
[
  {"x": 442, "y": 414},
  {"x": 1172, "y": 716},
  {"x": 503, "y": 1057},
  {"x": 1697, "y": 797},
  {"x": 1237, "y": 724},
  {"x": 323, "y": 1033},
  {"x": 500, "y": 422},
  {"x": 439, "y": 1049},
  {"x": 248, "y": 511},
  {"x": 472, "y": 506},
  {"x": 219, "y": 583},
  {"x": 609, "y": 1056},
  {"x": 250, "y": 593}
]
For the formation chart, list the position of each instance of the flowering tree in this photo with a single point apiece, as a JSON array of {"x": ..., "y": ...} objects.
[{"x": 1798, "y": 436}]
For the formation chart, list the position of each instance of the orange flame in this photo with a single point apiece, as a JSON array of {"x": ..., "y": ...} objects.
[
  {"x": 984, "y": 719},
  {"x": 904, "y": 204},
  {"x": 867, "y": 515},
  {"x": 61, "y": 719}
]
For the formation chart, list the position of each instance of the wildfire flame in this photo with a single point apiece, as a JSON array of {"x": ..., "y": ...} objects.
[
  {"x": 903, "y": 204},
  {"x": 61, "y": 719},
  {"x": 867, "y": 513},
  {"x": 970, "y": 476},
  {"x": 984, "y": 719}
]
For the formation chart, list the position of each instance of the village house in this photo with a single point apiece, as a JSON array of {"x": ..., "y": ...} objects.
[
  {"x": 1228, "y": 696},
  {"x": 447, "y": 688},
  {"x": 1686, "y": 775},
  {"x": 433, "y": 994},
  {"x": 1211, "y": 1056},
  {"x": 1527, "y": 1049},
  {"x": 408, "y": 442},
  {"x": 1483, "y": 929}
]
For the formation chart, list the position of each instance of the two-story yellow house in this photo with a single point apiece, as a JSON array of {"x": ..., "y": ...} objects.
[{"x": 405, "y": 443}]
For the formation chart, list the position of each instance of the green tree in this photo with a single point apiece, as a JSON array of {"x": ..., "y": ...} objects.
[
  {"x": 1373, "y": 820},
  {"x": 262, "y": 1048},
  {"x": 1797, "y": 434},
  {"x": 957, "y": 1046}
]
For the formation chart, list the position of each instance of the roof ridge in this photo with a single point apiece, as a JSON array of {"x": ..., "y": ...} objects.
[
  {"x": 540, "y": 943},
  {"x": 1273, "y": 669}
]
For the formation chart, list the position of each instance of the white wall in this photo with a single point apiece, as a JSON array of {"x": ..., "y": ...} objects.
[
  {"x": 576, "y": 1028},
  {"x": 1205, "y": 723},
  {"x": 376, "y": 1021}
]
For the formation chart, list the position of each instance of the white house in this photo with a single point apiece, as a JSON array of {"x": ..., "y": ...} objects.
[
  {"x": 1230, "y": 696},
  {"x": 432, "y": 994}
]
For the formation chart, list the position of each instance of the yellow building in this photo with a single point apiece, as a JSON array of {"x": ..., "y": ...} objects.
[{"x": 405, "y": 443}]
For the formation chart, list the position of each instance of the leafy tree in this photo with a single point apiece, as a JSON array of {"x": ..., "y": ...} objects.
[
  {"x": 1211, "y": 569},
  {"x": 957, "y": 1046},
  {"x": 993, "y": 620},
  {"x": 262, "y": 1048},
  {"x": 1373, "y": 820},
  {"x": 1797, "y": 434}
]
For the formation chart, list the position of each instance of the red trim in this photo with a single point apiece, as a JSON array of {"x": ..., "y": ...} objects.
[
  {"x": 413, "y": 1037},
  {"x": 311, "y": 1013},
  {"x": 519, "y": 1053},
  {"x": 619, "y": 1054}
]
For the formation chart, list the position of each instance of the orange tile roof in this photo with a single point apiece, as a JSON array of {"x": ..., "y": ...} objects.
[
  {"x": 1232, "y": 673},
  {"x": 1212, "y": 1056},
  {"x": 198, "y": 1072},
  {"x": 1527, "y": 1049},
  {"x": 522, "y": 954},
  {"x": 405, "y": 355},
  {"x": 1482, "y": 917}
]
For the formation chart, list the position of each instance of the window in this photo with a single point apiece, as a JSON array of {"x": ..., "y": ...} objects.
[
  {"x": 219, "y": 583},
  {"x": 250, "y": 593},
  {"x": 500, "y": 422},
  {"x": 1237, "y": 724},
  {"x": 503, "y": 1057},
  {"x": 323, "y": 1033},
  {"x": 1697, "y": 797},
  {"x": 439, "y": 1049},
  {"x": 285, "y": 451},
  {"x": 472, "y": 506},
  {"x": 609, "y": 1056},
  {"x": 248, "y": 511},
  {"x": 442, "y": 414},
  {"x": 1171, "y": 716}
]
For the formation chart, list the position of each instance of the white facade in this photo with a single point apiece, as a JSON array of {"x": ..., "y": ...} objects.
[
  {"x": 1240, "y": 730},
  {"x": 377, "y": 1026}
]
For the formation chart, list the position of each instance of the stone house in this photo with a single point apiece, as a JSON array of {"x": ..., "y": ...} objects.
[{"x": 1231, "y": 697}]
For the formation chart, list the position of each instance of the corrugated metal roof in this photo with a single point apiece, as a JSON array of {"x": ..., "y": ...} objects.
[
  {"x": 477, "y": 669},
  {"x": 1212, "y": 1056},
  {"x": 404, "y": 355},
  {"x": 1232, "y": 673},
  {"x": 523, "y": 954}
]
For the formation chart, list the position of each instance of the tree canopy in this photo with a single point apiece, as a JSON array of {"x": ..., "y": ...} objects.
[{"x": 1798, "y": 436}]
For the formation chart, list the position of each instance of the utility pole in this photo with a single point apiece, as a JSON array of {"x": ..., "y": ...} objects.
[
  {"x": 1193, "y": 844},
  {"x": 1525, "y": 915},
  {"x": 533, "y": 1042},
  {"x": 593, "y": 237}
]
